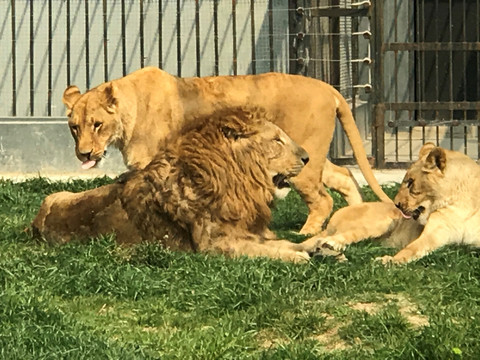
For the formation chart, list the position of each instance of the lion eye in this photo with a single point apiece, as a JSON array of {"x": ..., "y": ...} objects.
[
  {"x": 74, "y": 128},
  {"x": 279, "y": 140},
  {"x": 97, "y": 125}
]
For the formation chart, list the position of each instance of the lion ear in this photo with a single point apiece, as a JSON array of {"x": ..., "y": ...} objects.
[
  {"x": 425, "y": 150},
  {"x": 436, "y": 159},
  {"x": 110, "y": 98},
  {"x": 70, "y": 97}
]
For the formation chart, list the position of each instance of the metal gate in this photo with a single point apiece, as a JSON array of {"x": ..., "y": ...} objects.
[
  {"x": 409, "y": 68},
  {"x": 426, "y": 85},
  {"x": 331, "y": 41}
]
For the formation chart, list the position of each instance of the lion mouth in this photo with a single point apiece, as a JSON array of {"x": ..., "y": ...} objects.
[
  {"x": 91, "y": 163},
  {"x": 415, "y": 214},
  {"x": 280, "y": 181}
]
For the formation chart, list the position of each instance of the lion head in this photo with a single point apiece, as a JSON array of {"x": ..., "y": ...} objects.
[
  {"x": 93, "y": 121},
  {"x": 251, "y": 147},
  {"x": 436, "y": 180}
]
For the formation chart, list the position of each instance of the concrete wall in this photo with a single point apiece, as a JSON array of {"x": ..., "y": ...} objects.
[{"x": 48, "y": 45}]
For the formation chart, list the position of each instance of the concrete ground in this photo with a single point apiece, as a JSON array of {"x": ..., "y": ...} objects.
[{"x": 383, "y": 176}]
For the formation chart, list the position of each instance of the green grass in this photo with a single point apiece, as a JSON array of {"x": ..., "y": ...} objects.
[{"x": 101, "y": 301}]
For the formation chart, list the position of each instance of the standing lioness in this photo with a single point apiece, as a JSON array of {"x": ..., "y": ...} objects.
[{"x": 136, "y": 112}]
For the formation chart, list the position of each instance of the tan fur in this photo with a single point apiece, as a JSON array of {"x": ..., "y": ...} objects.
[
  {"x": 439, "y": 192},
  {"x": 375, "y": 220},
  {"x": 208, "y": 189},
  {"x": 136, "y": 112}
]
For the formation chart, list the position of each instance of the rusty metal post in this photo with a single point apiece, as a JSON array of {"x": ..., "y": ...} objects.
[
  {"x": 378, "y": 100},
  {"x": 297, "y": 29}
]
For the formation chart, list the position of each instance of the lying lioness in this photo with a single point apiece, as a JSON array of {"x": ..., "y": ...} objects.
[
  {"x": 208, "y": 189},
  {"x": 436, "y": 205}
]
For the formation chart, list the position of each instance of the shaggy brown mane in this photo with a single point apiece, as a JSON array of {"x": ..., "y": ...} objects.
[
  {"x": 207, "y": 180},
  {"x": 208, "y": 189}
]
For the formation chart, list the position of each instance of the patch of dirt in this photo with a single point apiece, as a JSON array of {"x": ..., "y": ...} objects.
[
  {"x": 368, "y": 307},
  {"x": 267, "y": 339},
  {"x": 409, "y": 310},
  {"x": 331, "y": 340}
]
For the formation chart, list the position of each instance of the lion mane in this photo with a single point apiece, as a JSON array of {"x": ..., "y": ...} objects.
[{"x": 209, "y": 189}]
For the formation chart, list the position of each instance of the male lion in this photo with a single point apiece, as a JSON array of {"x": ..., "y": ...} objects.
[
  {"x": 436, "y": 205},
  {"x": 136, "y": 112},
  {"x": 208, "y": 189}
]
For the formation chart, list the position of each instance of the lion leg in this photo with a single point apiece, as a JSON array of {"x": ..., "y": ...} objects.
[
  {"x": 355, "y": 223},
  {"x": 319, "y": 202},
  {"x": 436, "y": 234},
  {"x": 275, "y": 249},
  {"x": 66, "y": 215},
  {"x": 342, "y": 181}
]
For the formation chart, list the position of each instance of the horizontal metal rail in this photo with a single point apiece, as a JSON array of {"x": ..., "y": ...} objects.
[
  {"x": 33, "y": 120},
  {"x": 432, "y": 46}
]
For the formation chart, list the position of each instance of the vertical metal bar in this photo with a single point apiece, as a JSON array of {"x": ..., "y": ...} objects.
[
  {"x": 378, "y": 131},
  {"x": 252, "y": 28},
  {"x": 32, "y": 61},
  {"x": 179, "y": 42},
  {"x": 14, "y": 60},
  {"x": 465, "y": 98},
  {"x": 417, "y": 58},
  {"x": 234, "y": 35},
  {"x": 437, "y": 74},
  {"x": 50, "y": 35},
  {"x": 197, "y": 33},
  {"x": 270, "y": 33},
  {"x": 215, "y": 34},
  {"x": 160, "y": 34},
  {"x": 87, "y": 46},
  {"x": 105, "y": 41},
  {"x": 292, "y": 26},
  {"x": 450, "y": 68},
  {"x": 316, "y": 52},
  {"x": 335, "y": 48},
  {"x": 142, "y": 36},
  {"x": 124, "y": 41},
  {"x": 68, "y": 45},
  {"x": 395, "y": 91},
  {"x": 422, "y": 56},
  {"x": 354, "y": 66},
  {"x": 478, "y": 83}
]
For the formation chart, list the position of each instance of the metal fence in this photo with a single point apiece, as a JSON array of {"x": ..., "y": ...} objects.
[
  {"x": 408, "y": 68},
  {"x": 49, "y": 44},
  {"x": 426, "y": 77}
]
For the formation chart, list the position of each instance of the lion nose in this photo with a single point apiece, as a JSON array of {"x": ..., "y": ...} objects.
[
  {"x": 305, "y": 160},
  {"x": 398, "y": 206},
  {"x": 86, "y": 154}
]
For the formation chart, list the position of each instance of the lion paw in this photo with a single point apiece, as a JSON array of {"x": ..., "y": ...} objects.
[
  {"x": 330, "y": 245},
  {"x": 390, "y": 260},
  {"x": 301, "y": 257}
]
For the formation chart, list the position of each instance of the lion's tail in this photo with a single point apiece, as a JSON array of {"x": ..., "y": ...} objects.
[{"x": 345, "y": 116}]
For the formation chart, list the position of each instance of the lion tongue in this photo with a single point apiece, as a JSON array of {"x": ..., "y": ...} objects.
[
  {"x": 88, "y": 164},
  {"x": 405, "y": 216}
]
